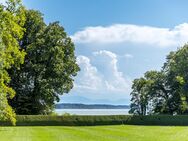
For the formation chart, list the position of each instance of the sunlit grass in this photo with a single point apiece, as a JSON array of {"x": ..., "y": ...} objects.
[{"x": 94, "y": 133}]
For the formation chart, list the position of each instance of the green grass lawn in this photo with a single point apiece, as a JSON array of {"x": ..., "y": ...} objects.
[{"x": 95, "y": 133}]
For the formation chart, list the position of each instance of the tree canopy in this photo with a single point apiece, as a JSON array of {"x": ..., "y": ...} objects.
[
  {"x": 12, "y": 19},
  {"x": 165, "y": 91},
  {"x": 48, "y": 69},
  {"x": 37, "y": 62}
]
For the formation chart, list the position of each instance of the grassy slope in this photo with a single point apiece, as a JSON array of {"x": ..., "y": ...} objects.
[{"x": 95, "y": 133}]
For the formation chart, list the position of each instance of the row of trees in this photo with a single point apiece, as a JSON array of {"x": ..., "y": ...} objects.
[
  {"x": 37, "y": 62},
  {"x": 165, "y": 91}
]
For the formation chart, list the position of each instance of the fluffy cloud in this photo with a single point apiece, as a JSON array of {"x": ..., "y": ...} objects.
[
  {"x": 88, "y": 77},
  {"x": 102, "y": 78},
  {"x": 114, "y": 79},
  {"x": 120, "y": 33}
]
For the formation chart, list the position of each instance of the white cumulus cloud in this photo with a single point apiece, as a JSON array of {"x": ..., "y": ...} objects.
[
  {"x": 120, "y": 33},
  {"x": 114, "y": 79},
  {"x": 88, "y": 77},
  {"x": 102, "y": 78}
]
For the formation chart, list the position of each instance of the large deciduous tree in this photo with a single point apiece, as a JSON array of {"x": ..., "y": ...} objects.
[
  {"x": 176, "y": 68},
  {"x": 11, "y": 21},
  {"x": 48, "y": 69}
]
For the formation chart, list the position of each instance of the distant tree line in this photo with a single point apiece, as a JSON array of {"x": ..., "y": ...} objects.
[
  {"x": 37, "y": 62},
  {"x": 164, "y": 91}
]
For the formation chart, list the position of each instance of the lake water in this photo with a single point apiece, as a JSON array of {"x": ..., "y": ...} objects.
[{"x": 93, "y": 111}]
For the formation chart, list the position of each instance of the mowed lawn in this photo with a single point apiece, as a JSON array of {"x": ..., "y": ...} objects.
[{"x": 94, "y": 133}]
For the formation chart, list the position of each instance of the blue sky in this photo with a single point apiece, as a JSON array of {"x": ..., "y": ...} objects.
[
  {"x": 116, "y": 41},
  {"x": 77, "y": 14}
]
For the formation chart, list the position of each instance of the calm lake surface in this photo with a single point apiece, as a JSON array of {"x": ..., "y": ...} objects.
[{"x": 93, "y": 111}]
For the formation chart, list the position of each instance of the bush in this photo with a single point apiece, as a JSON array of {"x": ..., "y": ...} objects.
[{"x": 73, "y": 120}]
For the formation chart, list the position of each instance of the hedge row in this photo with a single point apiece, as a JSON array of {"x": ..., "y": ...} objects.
[{"x": 41, "y": 120}]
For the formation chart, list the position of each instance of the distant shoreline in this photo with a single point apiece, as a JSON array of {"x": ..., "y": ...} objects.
[{"x": 89, "y": 106}]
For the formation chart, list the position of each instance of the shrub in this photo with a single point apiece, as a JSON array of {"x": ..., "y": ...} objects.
[{"x": 75, "y": 120}]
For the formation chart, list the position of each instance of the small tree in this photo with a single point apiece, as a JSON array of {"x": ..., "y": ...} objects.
[
  {"x": 150, "y": 94},
  {"x": 139, "y": 97}
]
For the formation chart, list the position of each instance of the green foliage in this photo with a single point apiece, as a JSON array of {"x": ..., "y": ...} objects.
[
  {"x": 139, "y": 96},
  {"x": 149, "y": 94},
  {"x": 176, "y": 68},
  {"x": 46, "y": 120},
  {"x": 166, "y": 91},
  {"x": 48, "y": 69},
  {"x": 12, "y": 18},
  {"x": 37, "y": 62}
]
